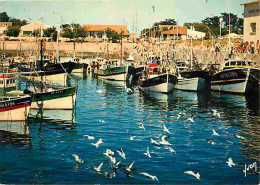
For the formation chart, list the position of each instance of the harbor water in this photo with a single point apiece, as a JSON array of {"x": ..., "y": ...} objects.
[{"x": 42, "y": 150}]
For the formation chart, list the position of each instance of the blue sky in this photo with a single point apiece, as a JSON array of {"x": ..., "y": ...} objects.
[{"x": 118, "y": 11}]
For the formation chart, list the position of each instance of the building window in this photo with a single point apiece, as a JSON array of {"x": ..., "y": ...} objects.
[{"x": 253, "y": 28}]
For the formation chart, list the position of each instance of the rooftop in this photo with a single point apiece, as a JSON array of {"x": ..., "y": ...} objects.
[
  {"x": 117, "y": 28},
  {"x": 251, "y": 2}
]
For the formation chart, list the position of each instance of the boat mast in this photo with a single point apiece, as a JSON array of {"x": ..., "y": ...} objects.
[
  {"x": 191, "y": 54},
  {"x": 57, "y": 51},
  {"x": 121, "y": 53}
]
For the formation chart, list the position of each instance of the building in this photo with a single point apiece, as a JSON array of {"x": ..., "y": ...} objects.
[
  {"x": 177, "y": 32},
  {"x": 4, "y": 26},
  {"x": 252, "y": 21},
  {"x": 132, "y": 37},
  {"x": 27, "y": 30},
  {"x": 182, "y": 32},
  {"x": 97, "y": 30}
]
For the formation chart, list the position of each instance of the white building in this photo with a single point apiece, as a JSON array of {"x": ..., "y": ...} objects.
[
  {"x": 28, "y": 29},
  {"x": 252, "y": 21},
  {"x": 192, "y": 33}
]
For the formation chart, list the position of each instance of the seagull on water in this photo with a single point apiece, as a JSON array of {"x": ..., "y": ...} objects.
[
  {"x": 102, "y": 121},
  {"x": 150, "y": 176},
  {"x": 230, "y": 162},
  {"x": 99, "y": 91},
  {"x": 215, "y": 133},
  {"x": 240, "y": 137},
  {"x": 211, "y": 142},
  {"x": 178, "y": 116},
  {"x": 141, "y": 125},
  {"x": 147, "y": 153},
  {"x": 108, "y": 152},
  {"x": 132, "y": 138},
  {"x": 215, "y": 113},
  {"x": 165, "y": 129},
  {"x": 191, "y": 119},
  {"x": 77, "y": 159},
  {"x": 154, "y": 142},
  {"x": 110, "y": 175},
  {"x": 121, "y": 153},
  {"x": 197, "y": 175},
  {"x": 100, "y": 141},
  {"x": 98, "y": 169},
  {"x": 164, "y": 141},
  {"x": 170, "y": 149},
  {"x": 128, "y": 167},
  {"x": 89, "y": 137}
]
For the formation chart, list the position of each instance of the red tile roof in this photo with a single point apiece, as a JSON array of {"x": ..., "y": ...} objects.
[
  {"x": 181, "y": 31},
  {"x": 98, "y": 28},
  {"x": 5, "y": 24}
]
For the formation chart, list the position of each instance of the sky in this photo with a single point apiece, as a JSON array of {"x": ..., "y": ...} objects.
[{"x": 133, "y": 13}]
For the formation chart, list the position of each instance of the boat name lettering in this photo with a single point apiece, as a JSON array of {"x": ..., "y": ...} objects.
[
  {"x": 228, "y": 75},
  {"x": 58, "y": 92},
  {"x": 7, "y": 104}
]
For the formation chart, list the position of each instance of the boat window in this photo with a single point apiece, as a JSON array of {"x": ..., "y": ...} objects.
[
  {"x": 243, "y": 63},
  {"x": 7, "y": 81},
  {"x": 239, "y": 63},
  {"x": 227, "y": 64},
  {"x": 233, "y": 63},
  {"x": 1, "y": 82}
]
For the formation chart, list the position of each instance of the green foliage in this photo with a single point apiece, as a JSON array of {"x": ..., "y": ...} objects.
[
  {"x": 13, "y": 31},
  {"x": 165, "y": 22},
  {"x": 4, "y": 17},
  {"x": 73, "y": 31},
  {"x": 112, "y": 35},
  {"x": 18, "y": 22},
  {"x": 50, "y": 32},
  {"x": 36, "y": 33}
]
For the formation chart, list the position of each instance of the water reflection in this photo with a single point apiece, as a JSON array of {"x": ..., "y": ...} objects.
[{"x": 15, "y": 133}]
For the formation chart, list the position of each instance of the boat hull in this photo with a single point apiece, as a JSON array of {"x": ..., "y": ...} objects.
[
  {"x": 162, "y": 83},
  {"x": 115, "y": 73},
  {"x": 15, "y": 109},
  {"x": 238, "y": 81},
  {"x": 63, "y": 99},
  {"x": 193, "y": 81}
]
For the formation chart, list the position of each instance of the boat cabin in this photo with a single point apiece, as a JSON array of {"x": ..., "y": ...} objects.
[
  {"x": 236, "y": 64},
  {"x": 7, "y": 83},
  {"x": 181, "y": 66}
]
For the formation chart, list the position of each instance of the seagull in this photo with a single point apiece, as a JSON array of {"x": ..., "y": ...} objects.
[
  {"x": 77, "y": 159},
  {"x": 141, "y": 125},
  {"x": 129, "y": 90},
  {"x": 98, "y": 169},
  {"x": 170, "y": 149},
  {"x": 166, "y": 129},
  {"x": 230, "y": 162},
  {"x": 112, "y": 159},
  {"x": 154, "y": 142},
  {"x": 147, "y": 153},
  {"x": 164, "y": 141},
  {"x": 215, "y": 133},
  {"x": 150, "y": 176},
  {"x": 101, "y": 121},
  {"x": 99, "y": 91},
  {"x": 132, "y": 138},
  {"x": 178, "y": 116},
  {"x": 240, "y": 137},
  {"x": 100, "y": 141},
  {"x": 157, "y": 147},
  {"x": 108, "y": 152},
  {"x": 215, "y": 113},
  {"x": 197, "y": 175},
  {"x": 191, "y": 119},
  {"x": 110, "y": 175},
  {"x": 128, "y": 167},
  {"x": 211, "y": 142},
  {"x": 89, "y": 137},
  {"x": 121, "y": 153}
]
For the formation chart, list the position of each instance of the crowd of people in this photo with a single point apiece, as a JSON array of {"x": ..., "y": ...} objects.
[{"x": 248, "y": 47}]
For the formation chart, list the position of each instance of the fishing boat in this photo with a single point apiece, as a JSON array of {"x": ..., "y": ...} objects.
[
  {"x": 157, "y": 79},
  {"x": 54, "y": 72},
  {"x": 7, "y": 83},
  {"x": 15, "y": 108},
  {"x": 112, "y": 72},
  {"x": 62, "y": 98},
  {"x": 237, "y": 76}
]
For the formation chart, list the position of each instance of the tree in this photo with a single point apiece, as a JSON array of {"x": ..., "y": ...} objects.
[
  {"x": 4, "y": 17},
  {"x": 13, "y": 31},
  {"x": 73, "y": 31},
  {"x": 18, "y": 22},
  {"x": 50, "y": 32},
  {"x": 112, "y": 35}
]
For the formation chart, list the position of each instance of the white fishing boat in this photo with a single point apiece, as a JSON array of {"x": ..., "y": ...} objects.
[{"x": 237, "y": 76}]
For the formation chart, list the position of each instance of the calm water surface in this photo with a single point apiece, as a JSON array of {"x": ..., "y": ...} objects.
[{"x": 41, "y": 151}]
